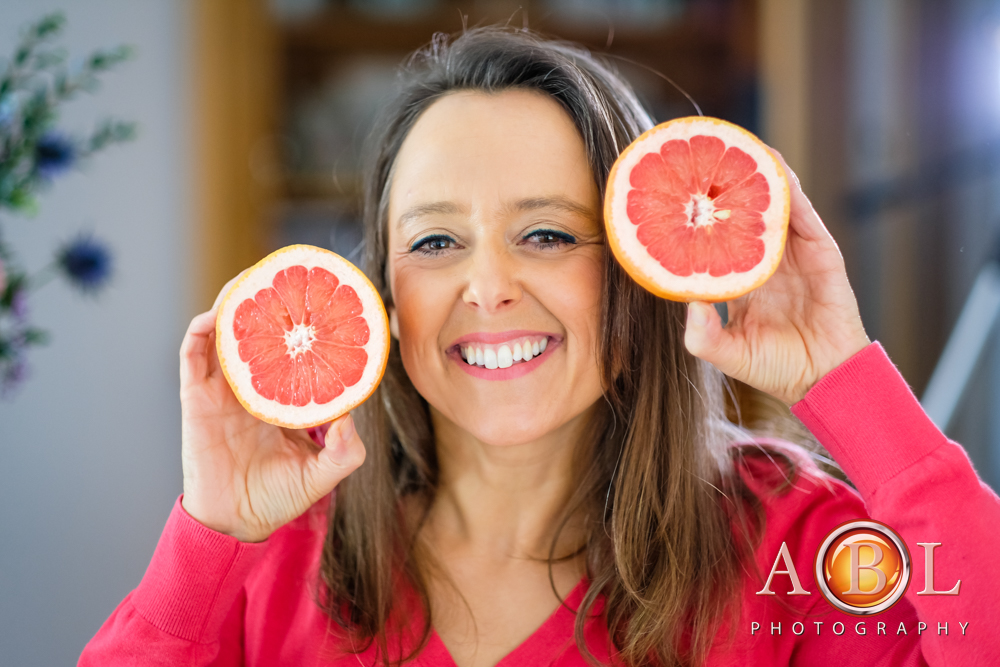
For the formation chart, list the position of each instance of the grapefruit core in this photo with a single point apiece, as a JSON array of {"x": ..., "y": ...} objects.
[
  {"x": 697, "y": 209},
  {"x": 302, "y": 337}
]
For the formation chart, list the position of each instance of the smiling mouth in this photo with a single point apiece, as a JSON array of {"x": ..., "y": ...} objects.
[{"x": 503, "y": 355}]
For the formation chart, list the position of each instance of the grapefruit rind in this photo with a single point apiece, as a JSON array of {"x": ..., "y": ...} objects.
[
  {"x": 633, "y": 256},
  {"x": 259, "y": 277}
]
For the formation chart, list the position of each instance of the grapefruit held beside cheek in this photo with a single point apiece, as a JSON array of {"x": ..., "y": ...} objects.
[
  {"x": 302, "y": 337},
  {"x": 697, "y": 209}
]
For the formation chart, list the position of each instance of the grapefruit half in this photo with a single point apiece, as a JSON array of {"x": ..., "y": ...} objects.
[
  {"x": 302, "y": 337},
  {"x": 697, "y": 209}
]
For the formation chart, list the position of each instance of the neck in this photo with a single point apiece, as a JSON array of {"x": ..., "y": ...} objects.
[{"x": 505, "y": 501}]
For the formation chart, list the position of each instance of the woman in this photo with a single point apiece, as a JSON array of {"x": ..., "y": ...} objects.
[{"x": 593, "y": 505}]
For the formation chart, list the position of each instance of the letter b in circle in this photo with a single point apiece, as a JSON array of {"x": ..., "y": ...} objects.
[{"x": 863, "y": 567}]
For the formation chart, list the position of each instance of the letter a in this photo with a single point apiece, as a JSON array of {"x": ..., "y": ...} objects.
[{"x": 789, "y": 570}]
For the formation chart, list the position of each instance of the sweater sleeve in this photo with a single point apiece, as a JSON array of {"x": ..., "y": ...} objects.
[
  {"x": 913, "y": 478},
  {"x": 188, "y": 608}
]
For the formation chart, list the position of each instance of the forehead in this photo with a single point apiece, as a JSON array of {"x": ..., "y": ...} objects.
[{"x": 478, "y": 149}]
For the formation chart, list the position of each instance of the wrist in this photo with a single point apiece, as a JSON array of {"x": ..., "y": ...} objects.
[
  {"x": 835, "y": 361},
  {"x": 193, "y": 510}
]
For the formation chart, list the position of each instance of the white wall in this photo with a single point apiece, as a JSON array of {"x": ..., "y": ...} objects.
[{"x": 90, "y": 448}]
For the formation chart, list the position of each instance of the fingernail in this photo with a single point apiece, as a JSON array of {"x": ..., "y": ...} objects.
[
  {"x": 347, "y": 429},
  {"x": 696, "y": 316},
  {"x": 337, "y": 447}
]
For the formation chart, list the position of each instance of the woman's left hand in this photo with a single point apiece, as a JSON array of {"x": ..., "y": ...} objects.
[{"x": 802, "y": 323}]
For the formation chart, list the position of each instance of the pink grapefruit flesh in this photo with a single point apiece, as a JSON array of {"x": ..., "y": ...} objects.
[
  {"x": 697, "y": 209},
  {"x": 302, "y": 337}
]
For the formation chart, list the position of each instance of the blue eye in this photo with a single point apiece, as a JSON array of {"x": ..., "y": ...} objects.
[
  {"x": 432, "y": 245},
  {"x": 548, "y": 238}
]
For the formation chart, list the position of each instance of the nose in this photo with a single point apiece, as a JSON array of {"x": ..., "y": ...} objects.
[{"x": 492, "y": 283}]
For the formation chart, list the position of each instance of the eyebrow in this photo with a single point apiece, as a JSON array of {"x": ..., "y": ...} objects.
[
  {"x": 438, "y": 207},
  {"x": 558, "y": 202}
]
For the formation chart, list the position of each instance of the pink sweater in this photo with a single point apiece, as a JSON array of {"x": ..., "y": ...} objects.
[{"x": 208, "y": 599}]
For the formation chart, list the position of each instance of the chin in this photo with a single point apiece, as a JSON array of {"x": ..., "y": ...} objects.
[{"x": 503, "y": 433}]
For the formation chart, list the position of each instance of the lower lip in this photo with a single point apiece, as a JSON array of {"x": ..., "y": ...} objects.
[{"x": 515, "y": 371}]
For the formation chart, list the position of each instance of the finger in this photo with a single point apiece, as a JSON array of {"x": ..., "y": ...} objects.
[
  {"x": 342, "y": 454},
  {"x": 198, "y": 357},
  {"x": 225, "y": 288},
  {"x": 196, "y": 348},
  {"x": 803, "y": 217},
  {"x": 705, "y": 338},
  {"x": 203, "y": 324}
]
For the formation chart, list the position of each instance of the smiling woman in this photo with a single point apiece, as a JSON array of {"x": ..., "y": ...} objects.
[
  {"x": 512, "y": 261},
  {"x": 550, "y": 477},
  {"x": 496, "y": 156}
]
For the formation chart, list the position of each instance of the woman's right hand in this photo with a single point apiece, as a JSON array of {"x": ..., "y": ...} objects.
[{"x": 242, "y": 476}]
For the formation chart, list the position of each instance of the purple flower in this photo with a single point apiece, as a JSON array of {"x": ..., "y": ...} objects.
[
  {"x": 19, "y": 306},
  {"x": 12, "y": 373},
  {"x": 13, "y": 367},
  {"x": 54, "y": 153},
  {"x": 86, "y": 262}
]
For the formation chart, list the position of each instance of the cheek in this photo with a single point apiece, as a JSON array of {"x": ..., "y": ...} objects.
[
  {"x": 587, "y": 299},
  {"x": 574, "y": 294},
  {"x": 422, "y": 305},
  {"x": 407, "y": 296},
  {"x": 571, "y": 292}
]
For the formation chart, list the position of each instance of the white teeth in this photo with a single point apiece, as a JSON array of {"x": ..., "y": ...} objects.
[{"x": 503, "y": 356}]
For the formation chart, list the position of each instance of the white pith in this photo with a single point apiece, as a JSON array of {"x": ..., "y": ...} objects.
[
  {"x": 698, "y": 285},
  {"x": 301, "y": 337},
  {"x": 701, "y": 211},
  {"x": 503, "y": 355}
]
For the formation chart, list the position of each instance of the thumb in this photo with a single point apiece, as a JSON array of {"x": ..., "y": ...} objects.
[
  {"x": 705, "y": 338},
  {"x": 342, "y": 454}
]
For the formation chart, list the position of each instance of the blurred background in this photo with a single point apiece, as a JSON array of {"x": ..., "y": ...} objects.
[{"x": 250, "y": 118}]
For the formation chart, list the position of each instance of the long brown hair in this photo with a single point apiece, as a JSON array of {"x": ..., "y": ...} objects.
[{"x": 669, "y": 524}]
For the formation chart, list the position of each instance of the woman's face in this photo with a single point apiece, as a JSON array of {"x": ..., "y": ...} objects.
[{"x": 495, "y": 247}]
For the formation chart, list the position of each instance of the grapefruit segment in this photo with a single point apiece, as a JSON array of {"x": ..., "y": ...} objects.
[
  {"x": 302, "y": 337},
  {"x": 696, "y": 209}
]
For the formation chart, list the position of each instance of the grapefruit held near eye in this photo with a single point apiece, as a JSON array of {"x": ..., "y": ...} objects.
[
  {"x": 302, "y": 337},
  {"x": 697, "y": 209}
]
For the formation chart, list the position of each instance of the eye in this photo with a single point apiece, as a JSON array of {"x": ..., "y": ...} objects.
[
  {"x": 432, "y": 245},
  {"x": 548, "y": 238}
]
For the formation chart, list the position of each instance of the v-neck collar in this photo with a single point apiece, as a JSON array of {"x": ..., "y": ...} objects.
[{"x": 542, "y": 646}]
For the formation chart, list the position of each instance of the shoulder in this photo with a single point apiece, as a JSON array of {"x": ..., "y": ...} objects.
[
  {"x": 783, "y": 473},
  {"x": 800, "y": 503}
]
